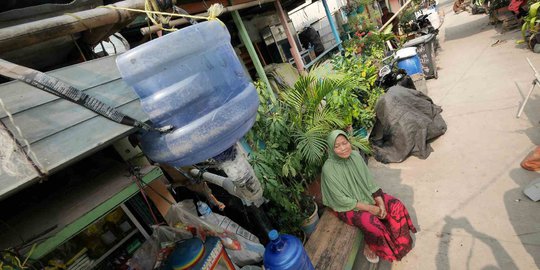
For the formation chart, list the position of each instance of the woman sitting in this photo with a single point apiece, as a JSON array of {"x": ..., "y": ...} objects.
[{"x": 348, "y": 188}]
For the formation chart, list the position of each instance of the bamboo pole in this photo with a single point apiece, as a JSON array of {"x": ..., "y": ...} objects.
[
  {"x": 154, "y": 28},
  {"x": 26, "y": 34},
  {"x": 395, "y": 15}
]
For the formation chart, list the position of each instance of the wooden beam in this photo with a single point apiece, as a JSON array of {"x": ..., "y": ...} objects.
[
  {"x": 334, "y": 244},
  {"x": 154, "y": 28},
  {"x": 161, "y": 197},
  {"x": 202, "y": 6},
  {"x": 395, "y": 15},
  {"x": 294, "y": 49},
  {"x": 26, "y": 34}
]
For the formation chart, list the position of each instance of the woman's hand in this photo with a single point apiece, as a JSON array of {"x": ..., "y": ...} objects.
[
  {"x": 374, "y": 210},
  {"x": 382, "y": 212},
  {"x": 380, "y": 203}
]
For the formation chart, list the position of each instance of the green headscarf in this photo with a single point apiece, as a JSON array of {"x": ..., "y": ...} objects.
[{"x": 345, "y": 181}]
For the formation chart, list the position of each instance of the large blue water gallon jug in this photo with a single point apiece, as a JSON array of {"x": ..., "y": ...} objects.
[
  {"x": 409, "y": 61},
  {"x": 285, "y": 252},
  {"x": 193, "y": 80}
]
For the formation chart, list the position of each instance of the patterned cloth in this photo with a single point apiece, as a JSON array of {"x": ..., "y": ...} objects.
[{"x": 389, "y": 238}]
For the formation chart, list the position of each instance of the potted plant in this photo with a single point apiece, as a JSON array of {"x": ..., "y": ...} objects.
[
  {"x": 294, "y": 131},
  {"x": 275, "y": 165},
  {"x": 360, "y": 74}
]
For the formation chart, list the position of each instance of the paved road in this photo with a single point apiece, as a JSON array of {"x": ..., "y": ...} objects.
[{"x": 467, "y": 196}]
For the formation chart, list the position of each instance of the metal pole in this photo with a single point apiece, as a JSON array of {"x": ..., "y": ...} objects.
[
  {"x": 294, "y": 49},
  {"x": 332, "y": 24},
  {"x": 535, "y": 81},
  {"x": 534, "y": 69},
  {"x": 135, "y": 221},
  {"x": 526, "y": 98},
  {"x": 244, "y": 36}
]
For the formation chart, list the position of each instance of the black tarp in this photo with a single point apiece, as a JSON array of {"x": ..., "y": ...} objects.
[{"x": 406, "y": 121}]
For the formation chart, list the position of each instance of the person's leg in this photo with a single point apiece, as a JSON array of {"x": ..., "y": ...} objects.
[
  {"x": 399, "y": 225},
  {"x": 376, "y": 236}
]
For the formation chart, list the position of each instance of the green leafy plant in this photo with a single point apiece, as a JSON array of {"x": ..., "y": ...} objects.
[
  {"x": 347, "y": 103},
  {"x": 273, "y": 164},
  {"x": 365, "y": 2},
  {"x": 360, "y": 74},
  {"x": 289, "y": 143},
  {"x": 310, "y": 121}
]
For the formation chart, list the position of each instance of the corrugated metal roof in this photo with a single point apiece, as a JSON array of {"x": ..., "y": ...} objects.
[{"x": 61, "y": 132}]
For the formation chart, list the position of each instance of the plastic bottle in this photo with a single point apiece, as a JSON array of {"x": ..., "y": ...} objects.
[
  {"x": 193, "y": 80},
  {"x": 224, "y": 222},
  {"x": 250, "y": 252},
  {"x": 285, "y": 252}
]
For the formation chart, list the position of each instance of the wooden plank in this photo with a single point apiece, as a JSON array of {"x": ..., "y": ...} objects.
[
  {"x": 18, "y": 96},
  {"x": 355, "y": 251},
  {"x": 58, "y": 115},
  {"x": 14, "y": 37},
  {"x": 90, "y": 217},
  {"x": 330, "y": 246}
]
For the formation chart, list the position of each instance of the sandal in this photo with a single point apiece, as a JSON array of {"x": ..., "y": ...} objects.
[{"x": 372, "y": 260}]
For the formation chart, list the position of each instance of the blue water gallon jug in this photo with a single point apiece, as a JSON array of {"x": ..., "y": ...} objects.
[
  {"x": 193, "y": 80},
  {"x": 285, "y": 252},
  {"x": 409, "y": 61}
]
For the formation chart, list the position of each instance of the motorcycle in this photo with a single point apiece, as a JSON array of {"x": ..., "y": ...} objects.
[
  {"x": 423, "y": 26},
  {"x": 390, "y": 75}
]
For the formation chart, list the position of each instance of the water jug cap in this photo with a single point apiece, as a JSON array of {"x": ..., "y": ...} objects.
[
  {"x": 273, "y": 235},
  {"x": 203, "y": 208}
]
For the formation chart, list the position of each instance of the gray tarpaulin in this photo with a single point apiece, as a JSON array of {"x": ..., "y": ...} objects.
[{"x": 406, "y": 121}]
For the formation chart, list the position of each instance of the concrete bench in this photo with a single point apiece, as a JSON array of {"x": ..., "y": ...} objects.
[{"x": 335, "y": 245}]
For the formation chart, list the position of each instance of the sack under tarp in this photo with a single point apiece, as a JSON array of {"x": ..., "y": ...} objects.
[{"x": 406, "y": 121}]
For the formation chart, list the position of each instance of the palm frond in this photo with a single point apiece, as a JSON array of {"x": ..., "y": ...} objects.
[
  {"x": 311, "y": 144},
  {"x": 293, "y": 98},
  {"x": 328, "y": 118},
  {"x": 362, "y": 144}
]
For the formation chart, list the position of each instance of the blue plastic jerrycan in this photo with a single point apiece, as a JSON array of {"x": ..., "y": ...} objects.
[
  {"x": 193, "y": 80},
  {"x": 285, "y": 252},
  {"x": 409, "y": 61}
]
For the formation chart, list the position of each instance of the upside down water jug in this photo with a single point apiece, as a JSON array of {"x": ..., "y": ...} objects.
[
  {"x": 285, "y": 252},
  {"x": 193, "y": 80}
]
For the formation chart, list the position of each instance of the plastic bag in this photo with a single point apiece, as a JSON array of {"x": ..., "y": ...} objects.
[
  {"x": 241, "y": 251},
  {"x": 158, "y": 247}
]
